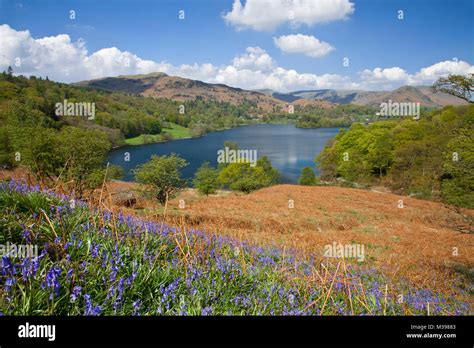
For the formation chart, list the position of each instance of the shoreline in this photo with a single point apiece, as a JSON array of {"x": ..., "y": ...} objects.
[{"x": 191, "y": 137}]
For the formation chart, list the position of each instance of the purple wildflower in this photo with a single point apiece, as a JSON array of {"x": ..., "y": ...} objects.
[
  {"x": 76, "y": 291},
  {"x": 90, "y": 309}
]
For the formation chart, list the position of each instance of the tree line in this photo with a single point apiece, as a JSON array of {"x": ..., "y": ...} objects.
[
  {"x": 430, "y": 158},
  {"x": 163, "y": 175}
]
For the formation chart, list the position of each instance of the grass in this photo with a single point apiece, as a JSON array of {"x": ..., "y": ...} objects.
[
  {"x": 95, "y": 262},
  {"x": 176, "y": 131},
  {"x": 324, "y": 214}
]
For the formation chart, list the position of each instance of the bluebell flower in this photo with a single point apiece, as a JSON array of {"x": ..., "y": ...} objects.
[
  {"x": 207, "y": 310},
  {"x": 76, "y": 291},
  {"x": 9, "y": 283},
  {"x": 90, "y": 309}
]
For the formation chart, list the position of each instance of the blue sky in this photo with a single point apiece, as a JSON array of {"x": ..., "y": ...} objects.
[{"x": 370, "y": 35}]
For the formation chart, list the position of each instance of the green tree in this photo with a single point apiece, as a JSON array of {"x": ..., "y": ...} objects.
[
  {"x": 82, "y": 151},
  {"x": 458, "y": 177},
  {"x": 96, "y": 178},
  {"x": 38, "y": 150},
  {"x": 10, "y": 73},
  {"x": 6, "y": 149},
  {"x": 206, "y": 179},
  {"x": 232, "y": 145},
  {"x": 328, "y": 160},
  {"x": 163, "y": 174},
  {"x": 307, "y": 177},
  {"x": 457, "y": 85},
  {"x": 380, "y": 153},
  {"x": 243, "y": 177}
]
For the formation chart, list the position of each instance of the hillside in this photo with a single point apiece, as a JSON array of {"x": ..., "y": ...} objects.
[
  {"x": 96, "y": 262},
  {"x": 423, "y": 94},
  {"x": 160, "y": 85},
  {"x": 415, "y": 242}
]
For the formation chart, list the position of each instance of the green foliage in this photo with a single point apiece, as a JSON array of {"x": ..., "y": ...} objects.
[
  {"x": 81, "y": 151},
  {"x": 39, "y": 150},
  {"x": 458, "y": 177},
  {"x": 232, "y": 145},
  {"x": 70, "y": 153},
  {"x": 206, "y": 179},
  {"x": 307, "y": 177},
  {"x": 457, "y": 85},
  {"x": 243, "y": 177},
  {"x": 412, "y": 157},
  {"x": 118, "y": 114},
  {"x": 96, "y": 178},
  {"x": 163, "y": 174},
  {"x": 336, "y": 116},
  {"x": 7, "y": 155}
]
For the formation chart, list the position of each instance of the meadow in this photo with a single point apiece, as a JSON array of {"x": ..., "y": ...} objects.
[{"x": 175, "y": 131}]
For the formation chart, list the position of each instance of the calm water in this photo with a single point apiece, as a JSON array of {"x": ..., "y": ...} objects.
[{"x": 288, "y": 148}]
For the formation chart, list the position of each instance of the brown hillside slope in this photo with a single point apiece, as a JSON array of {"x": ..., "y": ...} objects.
[
  {"x": 417, "y": 241},
  {"x": 160, "y": 85},
  {"x": 423, "y": 95}
]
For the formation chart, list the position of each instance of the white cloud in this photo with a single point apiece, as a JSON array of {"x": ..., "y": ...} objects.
[
  {"x": 66, "y": 61},
  {"x": 390, "y": 78},
  {"x": 55, "y": 55},
  {"x": 63, "y": 60},
  {"x": 387, "y": 78},
  {"x": 255, "y": 58},
  {"x": 267, "y": 15},
  {"x": 433, "y": 72},
  {"x": 305, "y": 44}
]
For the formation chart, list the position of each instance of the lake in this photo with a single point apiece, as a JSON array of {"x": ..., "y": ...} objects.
[{"x": 289, "y": 148}]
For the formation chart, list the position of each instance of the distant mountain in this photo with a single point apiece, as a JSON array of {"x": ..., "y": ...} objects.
[
  {"x": 160, "y": 85},
  {"x": 424, "y": 95}
]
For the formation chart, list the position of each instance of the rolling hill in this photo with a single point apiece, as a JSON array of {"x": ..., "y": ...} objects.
[
  {"x": 160, "y": 85},
  {"x": 422, "y": 94}
]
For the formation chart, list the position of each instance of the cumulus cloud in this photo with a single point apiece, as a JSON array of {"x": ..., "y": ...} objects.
[
  {"x": 433, "y": 72},
  {"x": 55, "y": 55},
  {"x": 111, "y": 62},
  {"x": 255, "y": 58},
  {"x": 305, "y": 44},
  {"x": 387, "y": 78},
  {"x": 63, "y": 60},
  {"x": 390, "y": 78},
  {"x": 267, "y": 15}
]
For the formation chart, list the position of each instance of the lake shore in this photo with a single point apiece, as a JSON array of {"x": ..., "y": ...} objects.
[
  {"x": 183, "y": 133},
  {"x": 289, "y": 148}
]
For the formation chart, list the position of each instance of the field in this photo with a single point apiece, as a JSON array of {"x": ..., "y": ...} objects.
[
  {"x": 176, "y": 131},
  {"x": 104, "y": 262},
  {"x": 427, "y": 242}
]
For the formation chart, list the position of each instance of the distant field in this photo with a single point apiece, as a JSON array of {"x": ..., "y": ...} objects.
[{"x": 177, "y": 131}]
